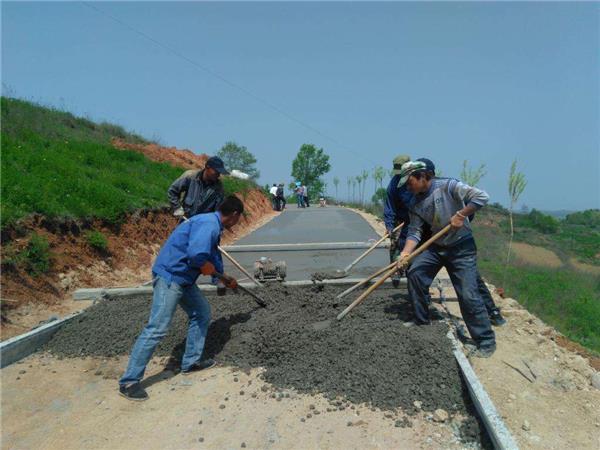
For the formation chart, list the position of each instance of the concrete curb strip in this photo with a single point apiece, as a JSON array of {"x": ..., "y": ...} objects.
[
  {"x": 19, "y": 347},
  {"x": 302, "y": 247},
  {"x": 497, "y": 430},
  {"x": 100, "y": 293}
]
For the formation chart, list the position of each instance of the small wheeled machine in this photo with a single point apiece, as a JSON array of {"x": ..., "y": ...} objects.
[{"x": 267, "y": 270}]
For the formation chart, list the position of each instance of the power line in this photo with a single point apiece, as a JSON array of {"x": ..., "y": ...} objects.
[{"x": 226, "y": 81}]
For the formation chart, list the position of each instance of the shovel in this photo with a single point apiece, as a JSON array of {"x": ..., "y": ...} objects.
[
  {"x": 256, "y": 298},
  {"x": 393, "y": 270},
  {"x": 345, "y": 272}
]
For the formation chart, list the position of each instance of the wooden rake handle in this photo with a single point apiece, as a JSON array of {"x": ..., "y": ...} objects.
[
  {"x": 365, "y": 281},
  {"x": 370, "y": 249},
  {"x": 390, "y": 272},
  {"x": 238, "y": 265}
]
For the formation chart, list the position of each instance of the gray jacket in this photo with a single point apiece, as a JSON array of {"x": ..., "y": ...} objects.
[
  {"x": 193, "y": 195},
  {"x": 437, "y": 206}
]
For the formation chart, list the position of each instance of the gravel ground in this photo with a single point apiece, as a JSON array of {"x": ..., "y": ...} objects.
[{"x": 368, "y": 357}]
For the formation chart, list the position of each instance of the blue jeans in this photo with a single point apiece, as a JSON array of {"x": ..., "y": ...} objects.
[
  {"x": 165, "y": 299},
  {"x": 300, "y": 200},
  {"x": 461, "y": 262}
]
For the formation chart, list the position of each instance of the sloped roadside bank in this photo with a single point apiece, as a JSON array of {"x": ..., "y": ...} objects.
[{"x": 131, "y": 248}]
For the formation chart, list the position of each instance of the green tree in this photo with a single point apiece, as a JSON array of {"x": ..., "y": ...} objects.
[
  {"x": 348, "y": 184},
  {"x": 364, "y": 177},
  {"x": 378, "y": 176},
  {"x": 379, "y": 196},
  {"x": 516, "y": 186},
  {"x": 472, "y": 176},
  {"x": 336, "y": 182},
  {"x": 309, "y": 166},
  {"x": 238, "y": 157}
]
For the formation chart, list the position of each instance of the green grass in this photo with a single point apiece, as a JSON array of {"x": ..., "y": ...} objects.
[
  {"x": 96, "y": 240},
  {"x": 59, "y": 165},
  {"x": 34, "y": 258},
  {"x": 564, "y": 298},
  {"x": 21, "y": 116},
  {"x": 77, "y": 179}
]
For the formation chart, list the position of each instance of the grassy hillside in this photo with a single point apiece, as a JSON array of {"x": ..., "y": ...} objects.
[
  {"x": 564, "y": 297},
  {"x": 59, "y": 165}
]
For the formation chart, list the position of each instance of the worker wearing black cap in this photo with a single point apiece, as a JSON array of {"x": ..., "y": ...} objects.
[
  {"x": 491, "y": 308},
  {"x": 198, "y": 191}
]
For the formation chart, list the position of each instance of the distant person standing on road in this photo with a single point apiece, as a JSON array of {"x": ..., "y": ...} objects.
[
  {"x": 273, "y": 192},
  {"x": 437, "y": 202},
  {"x": 190, "y": 250},
  {"x": 198, "y": 191},
  {"x": 299, "y": 195},
  {"x": 305, "y": 195},
  {"x": 280, "y": 197}
]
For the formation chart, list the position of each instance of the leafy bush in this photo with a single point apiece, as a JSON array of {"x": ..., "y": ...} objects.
[
  {"x": 538, "y": 221},
  {"x": 97, "y": 240},
  {"x": 37, "y": 255},
  {"x": 589, "y": 218}
]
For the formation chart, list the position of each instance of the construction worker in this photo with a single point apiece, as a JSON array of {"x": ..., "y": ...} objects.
[
  {"x": 198, "y": 191},
  {"x": 190, "y": 250},
  {"x": 437, "y": 202},
  {"x": 395, "y": 212}
]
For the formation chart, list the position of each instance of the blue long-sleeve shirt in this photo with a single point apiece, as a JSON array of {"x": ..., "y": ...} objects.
[
  {"x": 395, "y": 209},
  {"x": 190, "y": 245}
]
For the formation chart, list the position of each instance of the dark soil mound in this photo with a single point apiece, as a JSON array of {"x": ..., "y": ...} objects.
[{"x": 368, "y": 357}]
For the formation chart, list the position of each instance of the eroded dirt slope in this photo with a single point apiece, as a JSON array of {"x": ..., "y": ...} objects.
[{"x": 132, "y": 246}]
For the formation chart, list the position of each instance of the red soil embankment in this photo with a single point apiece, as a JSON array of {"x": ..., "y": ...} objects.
[{"x": 132, "y": 245}]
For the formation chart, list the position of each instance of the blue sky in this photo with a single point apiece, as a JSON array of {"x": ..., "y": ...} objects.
[{"x": 485, "y": 82}]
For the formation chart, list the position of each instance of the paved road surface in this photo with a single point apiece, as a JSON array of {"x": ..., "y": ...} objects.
[{"x": 310, "y": 225}]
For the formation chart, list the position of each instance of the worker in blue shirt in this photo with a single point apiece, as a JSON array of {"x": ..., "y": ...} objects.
[
  {"x": 191, "y": 250},
  {"x": 395, "y": 212}
]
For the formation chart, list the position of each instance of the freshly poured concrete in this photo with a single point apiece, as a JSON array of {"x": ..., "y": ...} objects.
[{"x": 312, "y": 225}]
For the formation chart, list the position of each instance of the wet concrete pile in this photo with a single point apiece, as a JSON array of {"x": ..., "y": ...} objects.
[{"x": 369, "y": 357}]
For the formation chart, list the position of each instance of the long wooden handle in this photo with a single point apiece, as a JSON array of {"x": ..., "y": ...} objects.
[
  {"x": 388, "y": 274},
  {"x": 365, "y": 294},
  {"x": 236, "y": 264},
  {"x": 370, "y": 249},
  {"x": 257, "y": 299},
  {"x": 365, "y": 281}
]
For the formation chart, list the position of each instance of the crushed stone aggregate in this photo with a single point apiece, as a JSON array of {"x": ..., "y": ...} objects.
[{"x": 366, "y": 358}]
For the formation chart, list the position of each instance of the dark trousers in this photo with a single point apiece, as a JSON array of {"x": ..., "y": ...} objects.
[
  {"x": 488, "y": 301},
  {"x": 460, "y": 261}
]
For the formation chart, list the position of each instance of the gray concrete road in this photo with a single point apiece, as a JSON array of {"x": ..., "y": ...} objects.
[{"x": 310, "y": 225}]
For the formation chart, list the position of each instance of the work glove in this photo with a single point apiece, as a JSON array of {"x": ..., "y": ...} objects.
[
  {"x": 207, "y": 268},
  {"x": 179, "y": 212},
  {"x": 230, "y": 282}
]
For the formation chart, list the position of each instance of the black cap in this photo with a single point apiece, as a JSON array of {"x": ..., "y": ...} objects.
[
  {"x": 429, "y": 163},
  {"x": 214, "y": 162}
]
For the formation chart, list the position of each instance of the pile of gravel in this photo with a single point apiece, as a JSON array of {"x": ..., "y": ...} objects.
[{"x": 368, "y": 357}]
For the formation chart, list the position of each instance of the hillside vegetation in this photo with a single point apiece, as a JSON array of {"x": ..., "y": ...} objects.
[{"x": 59, "y": 165}]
